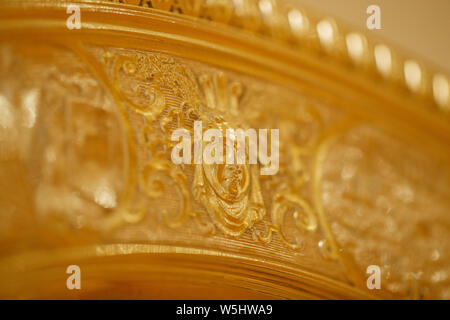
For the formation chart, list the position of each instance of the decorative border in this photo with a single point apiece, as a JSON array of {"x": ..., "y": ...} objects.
[
  {"x": 290, "y": 25},
  {"x": 286, "y": 277}
]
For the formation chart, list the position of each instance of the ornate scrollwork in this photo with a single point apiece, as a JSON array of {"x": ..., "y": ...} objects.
[
  {"x": 289, "y": 24},
  {"x": 287, "y": 197},
  {"x": 85, "y": 143},
  {"x": 231, "y": 194},
  {"x": 143, "y": 93}
]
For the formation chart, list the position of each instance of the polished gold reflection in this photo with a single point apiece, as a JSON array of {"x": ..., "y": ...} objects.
[{"x": 87, "y": 179}]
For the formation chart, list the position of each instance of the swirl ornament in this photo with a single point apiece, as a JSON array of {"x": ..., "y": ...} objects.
[{"x": 86, "y": 175}]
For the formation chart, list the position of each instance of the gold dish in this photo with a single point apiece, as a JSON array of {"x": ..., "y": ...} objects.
[{"x": 86, "y": 178}]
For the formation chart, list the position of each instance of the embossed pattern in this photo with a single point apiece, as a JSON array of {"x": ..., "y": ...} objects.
[{"x": 85, "y": 147}]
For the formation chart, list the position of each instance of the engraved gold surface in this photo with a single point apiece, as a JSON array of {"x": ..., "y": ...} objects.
[{"x": 86, "y": 176}]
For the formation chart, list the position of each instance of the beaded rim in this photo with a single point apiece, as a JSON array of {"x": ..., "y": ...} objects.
[{"x": 290, "y": 25}]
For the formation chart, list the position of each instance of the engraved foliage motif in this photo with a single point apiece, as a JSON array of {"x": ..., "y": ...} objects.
[
  {"x": 113, "y": 123},
  {"x": 174, "y": 98}
]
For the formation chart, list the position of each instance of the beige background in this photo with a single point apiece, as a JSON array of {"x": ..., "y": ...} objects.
[{"x": 419, "y": 27}]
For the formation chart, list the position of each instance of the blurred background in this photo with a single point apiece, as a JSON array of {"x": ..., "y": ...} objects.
[{"x": 419, "y": 27}]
